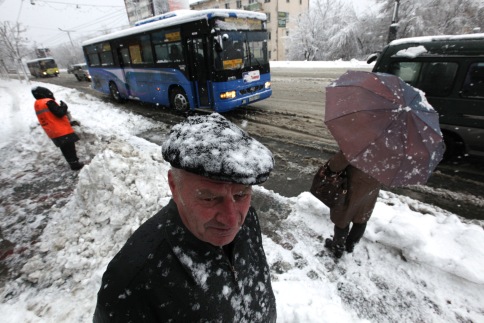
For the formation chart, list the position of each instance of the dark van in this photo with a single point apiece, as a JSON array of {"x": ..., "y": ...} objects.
[{"x": 450, "y": 70}]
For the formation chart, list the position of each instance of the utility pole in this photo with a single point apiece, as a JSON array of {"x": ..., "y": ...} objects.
[
  {"x": 392, "y": 33},
  {"x": 69, "y": 35}
]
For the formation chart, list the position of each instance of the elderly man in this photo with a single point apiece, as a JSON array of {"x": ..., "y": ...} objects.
[{"x": 200, "y": 259}]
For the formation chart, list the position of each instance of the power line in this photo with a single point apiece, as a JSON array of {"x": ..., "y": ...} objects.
[
  {"x": 58, "y": 38},
  {"x": 20, "y": 10},
  {"x": 111, "y": 19},
  {"x": 74, "y": 4}
]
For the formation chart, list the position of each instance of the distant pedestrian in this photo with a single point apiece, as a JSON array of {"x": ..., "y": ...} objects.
[
  {"x": 54, "y": 119},
  {"x": 360, "y": 201}
]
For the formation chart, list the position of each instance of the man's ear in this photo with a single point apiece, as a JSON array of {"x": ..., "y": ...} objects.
[{"x": 172, "y": 183}]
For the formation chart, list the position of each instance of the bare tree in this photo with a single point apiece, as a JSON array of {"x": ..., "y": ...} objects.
[
  {"x": 13, "y": 45},
  {"x": 303, "y": 43},
  {"x": 434, "y": 17},
  {"x": 331, "y": 30}
]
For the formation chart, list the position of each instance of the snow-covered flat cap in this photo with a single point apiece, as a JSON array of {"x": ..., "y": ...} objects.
[{"x": 214, "y": 147}]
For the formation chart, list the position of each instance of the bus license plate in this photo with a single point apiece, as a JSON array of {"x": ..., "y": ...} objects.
[{"x": 254, "y": 98}]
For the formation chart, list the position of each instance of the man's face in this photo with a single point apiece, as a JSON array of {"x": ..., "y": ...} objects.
[{"x": 213, "y": 211}]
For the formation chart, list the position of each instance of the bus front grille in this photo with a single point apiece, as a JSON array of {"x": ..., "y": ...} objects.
[{"x": 251, "y": 89}]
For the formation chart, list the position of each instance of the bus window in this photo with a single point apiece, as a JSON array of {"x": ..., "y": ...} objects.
[
  {"x": 176, "y": 52},
  {"x": 258, "y": 46},
  {"x": 146, "y": 49},
  {"x": 167, "y": 46},
  {"x": 161, "y": 53},
  {"x": 241, "y": 49},
  {"x": 106, "y": 54},
  {"x": 135, "y": 54},
  {"x": 107, "y": 59},
  {"x": 92, "y": 55},
  {"x": 125, "y": 56},
  {"x": 234, "y": 50},
  {"x": 474, "y": 82},
  {"x": 437, "y": 78}
]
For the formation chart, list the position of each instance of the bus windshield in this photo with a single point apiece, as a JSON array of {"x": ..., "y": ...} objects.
[
  {"x": 50, "y": 63},
  {"x": 241, "y": 49}
]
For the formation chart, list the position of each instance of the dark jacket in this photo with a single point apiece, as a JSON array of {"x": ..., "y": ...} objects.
[
  {"x": 165, "y": 274},
  {"x": 361, "y": 197}
]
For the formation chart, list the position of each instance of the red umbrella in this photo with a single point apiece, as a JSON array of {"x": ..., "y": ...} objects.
[{"x": 384, "y": 127}]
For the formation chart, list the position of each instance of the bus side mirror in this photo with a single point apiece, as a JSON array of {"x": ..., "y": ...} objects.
[{"x": 218, "y": 43}]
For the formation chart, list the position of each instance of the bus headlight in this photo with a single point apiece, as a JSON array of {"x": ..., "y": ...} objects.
[
  {"x": 267, "y": 85},
  {"x": 227, "y": 95}
]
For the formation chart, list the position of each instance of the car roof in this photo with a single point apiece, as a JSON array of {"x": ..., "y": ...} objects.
[{"x": 455, "y": 45}]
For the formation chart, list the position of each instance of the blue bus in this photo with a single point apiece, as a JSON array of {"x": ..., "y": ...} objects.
[{"x": 186, "y": 59}]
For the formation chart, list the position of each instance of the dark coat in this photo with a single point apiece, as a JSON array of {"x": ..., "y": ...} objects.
[
  {"x": 361, "y": 197},
  {"x": 165, "y": 274}
]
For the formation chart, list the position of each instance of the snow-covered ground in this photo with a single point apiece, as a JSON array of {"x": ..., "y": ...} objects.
[{"x": 416, "y": 263}]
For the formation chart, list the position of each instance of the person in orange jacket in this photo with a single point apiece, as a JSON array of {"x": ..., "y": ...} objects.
[{"x": 55, "y": 121}]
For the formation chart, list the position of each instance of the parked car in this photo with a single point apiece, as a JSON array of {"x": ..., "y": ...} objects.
[
  {"x": 450, "y": 71},
  {"x": 81, "y": 72}
]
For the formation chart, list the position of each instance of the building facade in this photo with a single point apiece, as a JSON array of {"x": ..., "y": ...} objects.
[
  {"x": 281, "y": 17},
  {"x": 142, "y": 9}
]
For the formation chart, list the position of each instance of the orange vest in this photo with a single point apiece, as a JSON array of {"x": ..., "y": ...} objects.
[{"x": 54, "y": 126}]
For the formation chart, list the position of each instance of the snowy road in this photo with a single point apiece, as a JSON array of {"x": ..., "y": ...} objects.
[
  {"x": 291, "y": 124},
  {"x": 59, "y": 229}
]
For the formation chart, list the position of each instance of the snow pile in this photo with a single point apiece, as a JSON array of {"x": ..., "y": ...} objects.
[
  {"x": 415, "y": 263},
  {"x": 411, "y": 52}
]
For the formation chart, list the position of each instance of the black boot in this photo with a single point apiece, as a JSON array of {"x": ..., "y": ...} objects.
[
  {"x": 76, "y": 165},
  {"x": 69, "y": 152},
  {"x": 356, "y": 233},
  {"x": 337, "y": 244}
]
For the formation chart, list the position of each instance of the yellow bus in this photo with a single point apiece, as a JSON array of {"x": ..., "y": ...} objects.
[{"x": 43, "y": 67}]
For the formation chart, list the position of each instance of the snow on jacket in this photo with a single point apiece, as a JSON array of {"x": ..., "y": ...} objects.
[
  {"x": 52, "y": 118},
  {"x": 362, "y": 194},
  {"x": 165, "y": 274}
]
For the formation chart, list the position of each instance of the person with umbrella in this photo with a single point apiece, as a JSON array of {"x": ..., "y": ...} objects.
[
  {"x": 388, "y": 134},
  {"x": 360, "y": 200}
]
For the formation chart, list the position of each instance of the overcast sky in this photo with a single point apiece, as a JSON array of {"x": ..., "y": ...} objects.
[{"x": 76, "y": 18}]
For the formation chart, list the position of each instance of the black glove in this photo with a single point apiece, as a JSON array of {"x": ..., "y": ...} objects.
[
  {"x": 63, "y": 105},
  {"x": 75, "y": 123}
]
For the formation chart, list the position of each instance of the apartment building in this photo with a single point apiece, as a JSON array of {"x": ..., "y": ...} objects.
[
  {"x": 281, "y": 15},
  {"x": 281, "y": 18},
  {"x": 142, "y": 9}
]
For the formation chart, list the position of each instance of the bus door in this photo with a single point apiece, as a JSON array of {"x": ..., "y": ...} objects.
[
  {"x": 198, "y": 67},
  {"x": 124, "y": 62}
]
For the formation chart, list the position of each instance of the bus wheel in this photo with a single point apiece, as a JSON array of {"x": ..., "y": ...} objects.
[
  {"x": 113, "y": 89},
  {"x": 179, "y": 100}
]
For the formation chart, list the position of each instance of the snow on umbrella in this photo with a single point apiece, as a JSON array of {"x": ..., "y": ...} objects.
[{"x": 384, "y": 127}]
